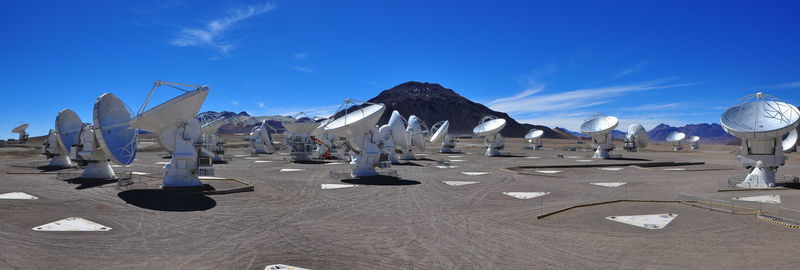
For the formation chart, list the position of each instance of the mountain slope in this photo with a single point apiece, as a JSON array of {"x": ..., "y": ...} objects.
[
  {"x": 431, "y": 102},
  {"x": 709, "y": 133}
]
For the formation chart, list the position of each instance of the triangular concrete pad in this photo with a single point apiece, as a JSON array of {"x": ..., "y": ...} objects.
[
  {"x": 161, "y": 163},
  {"x": 761, "y": 199},
  {"x": 571, "y": 156},
  {"x": 336, "y": 186},
  {"x": 457, "y": 160},
  {"x": 241, "y": 155},
  {"x": 549, "y": 171},
  {"x": 612, "y": 169},
  {"x": 475, "y": 173},
  {"x": 262, "y": 161},
  {"x": 532, "y": 157},
  {"x": 526, "y": 195},
  {"x": 460, "y": 183},
  {"x": 17, "y": 196},
  {"x": 211, "y": 178},
  {"x": 583, "y": 160},
  {"x": 251, "y": 158},
  {"x": 446, "y": 167},
  {"x": 72, "y": 224},
  {"x": 455, "y": 156},
  {"x": 334, "y": 163},
  {"x": 675, "y": 169},
  {"x": 139, "y": 173},
  {"x": 609, "y": 184},
  {"x": 292, "y": 170},
  {"x": 283, "y": 267},
  {"x": 653, "y": 222}
]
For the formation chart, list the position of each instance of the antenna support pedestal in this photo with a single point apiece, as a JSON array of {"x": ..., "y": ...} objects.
[{"x": 98, "y": 170}]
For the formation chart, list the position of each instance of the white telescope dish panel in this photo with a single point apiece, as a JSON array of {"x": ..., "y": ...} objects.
[
  {"x": 534, "y": 134},
  {"x": 20, "y": 128},
  {"x": 416, "y": 131},
  {"x": 116, "y": 138},
  {"x": 193, "y": 132},
  {"x": 68, "y": 127},
  {"x": 263, "y": 131},
  {"x": 675, "y": 136},
  {"x": 790, "y": 141},
  {"x": 761, "y": 116},
  {"x": 301, "y": 127},
  {"x": 213, "y": 126},
  {"x": 356, "y": 123},
  {"x": 693, "y": 139},
  {"x": 638, "y": 131},
  {"x": 398, "y": 130},
  {"x": 440, "y": 130},
  {"x": 172, "y": 112},
  {"x": 490, "y": 127},
  {"x": 599, "y": 123}
]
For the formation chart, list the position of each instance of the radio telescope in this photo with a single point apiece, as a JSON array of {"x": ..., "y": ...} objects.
[
  {"x": 761, "y": 120},
  {"x": 55, "y": 151},
  {"x": 489, "y": 127},
  {"x": 693, "y": 142},
  {"x": 599, "y": 126},
  {"x": 440, "y": 133},
  {"x": 534, "y": 137},
  {"x": 179, "y": 132},
  {"x": 212, "y": 142},
  {"x": 675, "y": 138},
  {"x": 362, "y": 136},
  {"x": 789, "y": 143},
  {"x": 20, "y": 129},
  {"x": 299, "y": 139},
  {"x": 109, "y": 136},
  {"x": 261, "y": 139},
  {"x": 416, "y": 130},
  {"x": 394, "y": 137},
  {"x": 635, "y": 138}
]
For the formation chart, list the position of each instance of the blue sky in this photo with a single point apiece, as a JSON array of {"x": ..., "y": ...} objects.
[{"x": 550, "y": 62}]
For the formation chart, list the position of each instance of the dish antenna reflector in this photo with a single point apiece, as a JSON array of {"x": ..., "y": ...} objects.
[
  {"x": 55, "y": 151},
  {"x": 440, "y": 134},
  {"x": 635, "y": 138},
  {"x": 599, "y": 126},
  {"x": 761, "y": 121},
  {"x": 109, "y": 137},
  {"x": 301, "y": 144},
  {"x": 362, "y": 136},
  {"x": 534, "y": 137},
  {"x": 789, "y": 144},
  {"x": 415, "y": 131},
  {"x": 68, "y": 129},
  {"x": 394, "y": 136},
  {"x": 675, "y": 138},
  {"x": 20, "y": 128},
  {"x": 179, "y": 132},
  {"x": 693, "y": 142},
  {"x": 261, "y": 139},
  {"x": 489, "y": 127}
]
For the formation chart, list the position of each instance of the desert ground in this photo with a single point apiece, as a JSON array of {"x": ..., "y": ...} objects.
[{"x": 413, "y": 222}]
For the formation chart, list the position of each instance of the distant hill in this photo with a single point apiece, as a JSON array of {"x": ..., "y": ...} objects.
[
  {"x": 709, "y": 133},
  {"x": 431, "y": 102}
]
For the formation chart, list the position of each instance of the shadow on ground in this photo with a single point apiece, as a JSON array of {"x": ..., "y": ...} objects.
[
  {"x": 161, "y": 200},
  {"x": 381, "y": 180},
  {"x": 85, "y": 183}
]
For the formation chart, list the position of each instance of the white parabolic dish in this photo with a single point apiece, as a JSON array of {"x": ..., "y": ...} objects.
[
  {"x": 693, "y": 139},
  {"x": 675, "y": 136},
  {"x": 440, "y": 132},
  {"x": 20, "y": 128},
  {"x": 356, "y": 123},
  {"x": 301, "y": 127},
  {"x": 599, "y": 124},
  {"x": 398, "y": 131},
  {"x": 761, "y": 119},
  {"x": 534, "y": 133},
  {"x": 111, "y": 118},
  {"x": 490, "y": 128},
  {"x": 169, "y": 113},
  {"x": 68, "y": 127}
]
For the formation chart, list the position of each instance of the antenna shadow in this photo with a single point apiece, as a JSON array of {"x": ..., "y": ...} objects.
[
  {"x": 85, "y": 183},
  {"x": 311, "y": 162},
  {"x": 50, "y": 168},
  {"x": 407, "y": 163},
  {"x": 381, "y": 180},
  {"x": 161, "y": 200}
]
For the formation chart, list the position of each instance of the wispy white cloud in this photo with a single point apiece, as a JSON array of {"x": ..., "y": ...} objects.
[
  {"x": 529, "y": 102},
  {"x": 301, "y": 56},
  {"x": 261, "y": 105},
  {"x": 235, "y": 103},
  {"x": 656, "y": 107},
  {"x": 215, "y": 32},
  {"x": 786, "y": 85},
  {"x": 638, "y": 67},
  {"x": 303, "y": 69}
]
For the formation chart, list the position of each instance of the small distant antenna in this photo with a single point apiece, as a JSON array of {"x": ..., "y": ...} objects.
[
  {"x": 599, "y": 126},
  {"x": 675, "y": 138},
  {"x": 489, "y": 127}
]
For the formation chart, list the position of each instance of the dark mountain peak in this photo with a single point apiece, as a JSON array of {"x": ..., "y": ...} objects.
[
  {"x": 661, "y": 126},
  {"x": 243, "y": 113},
  {"x": 418, "y": 91}
]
